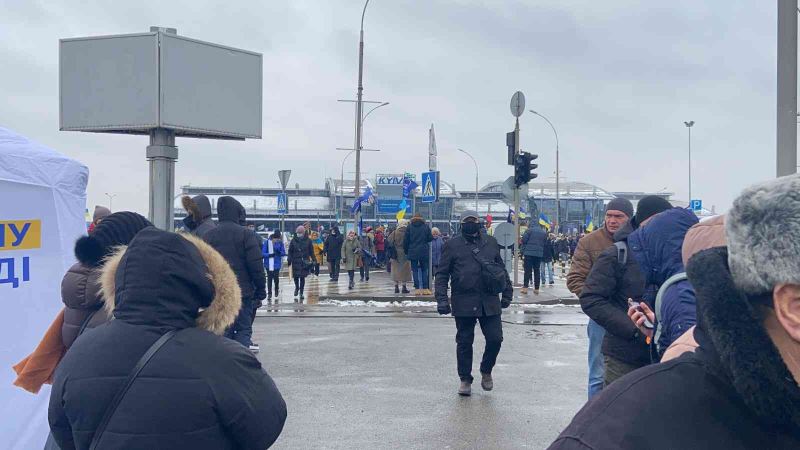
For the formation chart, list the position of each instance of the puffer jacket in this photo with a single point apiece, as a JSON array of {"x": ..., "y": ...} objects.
[
  {"x": 417, "y": 240},
  {"x": 657, "y": 248},
  {"x": 199, "y": 391},
  {"x": 80, "y": 292},
  {"x": 437, "y": 244},
  {"x": 198, "y": 221},
  {"x": 533, "y": 242},
  {"x": 333, "y": 245},
  {"x": 586, "y": 254},
  {"x": 239, "y": 246},
  {"x": 604, "y": 298},
  {"x": 301, "y": 251}
]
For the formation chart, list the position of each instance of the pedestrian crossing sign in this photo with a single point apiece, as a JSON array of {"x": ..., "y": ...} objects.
[
  {"x": 430, "y": 187},
  {"x": 282, "y": 201}
]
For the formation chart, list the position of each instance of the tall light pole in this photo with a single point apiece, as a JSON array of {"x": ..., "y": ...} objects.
[
  {"x": 111, "y": 201},
  {"x": 359, "y": 105},
  {"x": 689, "y": 125},
  {"x": 476, "y": 176},
  {"x": 786, "y": 98},
  {"x": 558, "y": 173}
]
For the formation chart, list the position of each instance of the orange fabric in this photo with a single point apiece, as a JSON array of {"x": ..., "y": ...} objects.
[{"x": 38, "y": 367}]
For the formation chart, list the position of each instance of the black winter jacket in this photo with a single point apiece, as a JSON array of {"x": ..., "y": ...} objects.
[
  {"x": 604, "y": 299},
  {"x": 239, "y": 246},
  {"x": 417, "y": 242},
  {"x": 549, "y": 253},
  {"x": 198, "y": 221},
  {"x": 734, "y": 392},
  {"x": 459, "y": 267},
  {"x": 301, "y": 250},
  {"x": 533, "y": 242},
  {"x": 200, "y": 391},
  {"x": 333, "y": 245}
]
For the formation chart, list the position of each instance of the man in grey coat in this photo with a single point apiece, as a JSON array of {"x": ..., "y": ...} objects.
[{"x": 532, "y": 249}]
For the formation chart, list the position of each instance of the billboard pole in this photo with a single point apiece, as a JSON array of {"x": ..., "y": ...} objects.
[{"x": 161, "y": 155}]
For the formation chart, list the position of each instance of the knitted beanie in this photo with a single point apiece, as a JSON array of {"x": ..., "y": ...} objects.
[
  {"x": 115, "y": 230},
  {"x": 620, "y": 204},
  {"x": 650, "y": 206}
]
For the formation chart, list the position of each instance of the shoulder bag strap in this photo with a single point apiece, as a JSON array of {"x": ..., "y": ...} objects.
[
  {"x": 87, "y": 320},
  {"x": 659, "y": 299},
  {"x": 112, "y": 407}
]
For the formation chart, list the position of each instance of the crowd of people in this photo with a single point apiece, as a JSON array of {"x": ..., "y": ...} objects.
[{"x": 694, "y": 324}]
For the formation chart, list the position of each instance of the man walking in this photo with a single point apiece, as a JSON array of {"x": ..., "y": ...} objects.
[
  {"x": 333, "y": 249},
  {"x": 532, "y": 246},
  {"x": 241, "y": 248},
  {"x": 461, "y": 267},
  {"x": 618, "y": 212}
]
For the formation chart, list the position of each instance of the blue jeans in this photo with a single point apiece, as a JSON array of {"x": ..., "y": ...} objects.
[
  {"x": 419, "y": 269},
  {"x": 547, "y": 271},
  {"x": 596, "y": 367}
]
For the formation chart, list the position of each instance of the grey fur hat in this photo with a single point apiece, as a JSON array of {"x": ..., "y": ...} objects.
[{"x": 763, "y": 232}]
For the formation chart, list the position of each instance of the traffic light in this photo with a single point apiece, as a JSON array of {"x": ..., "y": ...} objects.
[
  {"x": 511, "y": 142},
  {"x": 523, "y": 168}
]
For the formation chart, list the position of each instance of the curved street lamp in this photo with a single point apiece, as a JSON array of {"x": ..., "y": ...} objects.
[
  {"x": 476, "y": 177},
  {"x": 558, "y": 173}
]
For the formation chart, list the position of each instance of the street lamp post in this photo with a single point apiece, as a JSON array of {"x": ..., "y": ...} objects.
[
  {"x": 359, "y": 105},
  {"x": 558, "y": 173},
  {"x": 111, "y": 201},
  {"x": 476, "y": 176},
  {"x": 689, "y": 125}
]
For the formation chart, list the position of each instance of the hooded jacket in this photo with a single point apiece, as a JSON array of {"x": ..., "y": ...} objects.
[
  {"x": 240, "y": 246},
  {"x": 198, "y": 221},
  {"x": 604, "y": 298},
  {"x": 417, "y": 239},
  {"x": 333, "y": 245},
  {"x": 735, "y": 392},
  {"x": 200, "y": 391}
]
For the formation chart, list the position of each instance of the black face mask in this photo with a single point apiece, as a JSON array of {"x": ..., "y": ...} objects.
[{"x": 470, "y": 228}]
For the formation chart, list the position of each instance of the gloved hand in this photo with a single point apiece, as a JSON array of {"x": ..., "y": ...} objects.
[
  {"x": 505, "y": 302},
  {"x": 443, "y": 308}
]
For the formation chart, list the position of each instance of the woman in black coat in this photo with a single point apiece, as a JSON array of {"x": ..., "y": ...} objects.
[
  {"x": 301, "y": 251},
  {"x": 200, "y": 390}
]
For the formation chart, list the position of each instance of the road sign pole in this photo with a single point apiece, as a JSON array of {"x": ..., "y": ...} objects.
[{"x": 516, "y": 252}]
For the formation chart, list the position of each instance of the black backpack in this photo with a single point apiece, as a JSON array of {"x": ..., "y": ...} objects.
[{"x": 493, "y": 274}]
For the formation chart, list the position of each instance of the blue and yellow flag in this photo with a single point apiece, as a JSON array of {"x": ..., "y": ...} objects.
[
  {"x": 545, "y": 221},
  {"x": 589, "y": 224}
]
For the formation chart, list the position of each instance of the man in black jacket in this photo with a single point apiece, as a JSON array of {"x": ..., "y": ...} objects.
[
  {"x": 740, "y": 389},
  {"x": 417, "y": 246},
  {"x": 470, "y": 300},
  {"x": 240, "y": 246},
  {"x": 199, "y": 391},
  {"x": 198, "y": 215},
  {"x": 615, "y": 277},
  {"x": 333, "y": 249}
]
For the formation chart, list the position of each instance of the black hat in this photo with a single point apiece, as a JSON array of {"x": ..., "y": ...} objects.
[
  {"x": 648, "y": 207},
  {"x": 115, "y": 230},
  {"x": 620, "y": 204}
]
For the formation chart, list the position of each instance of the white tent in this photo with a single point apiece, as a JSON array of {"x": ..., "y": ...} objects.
[{"x": 42, "y": 204}]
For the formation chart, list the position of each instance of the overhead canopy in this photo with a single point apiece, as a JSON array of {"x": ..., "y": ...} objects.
[{"x": 41, "y": 215}]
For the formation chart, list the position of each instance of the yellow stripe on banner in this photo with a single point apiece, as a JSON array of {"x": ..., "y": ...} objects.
[{"x": 20, "y": 234}]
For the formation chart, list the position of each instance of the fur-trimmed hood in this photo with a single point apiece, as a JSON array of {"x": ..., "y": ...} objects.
[
  {"x": 732, "y": 338},
  {"x": 170, "y": 280}
]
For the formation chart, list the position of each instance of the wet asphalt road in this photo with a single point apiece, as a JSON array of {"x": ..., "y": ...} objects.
[{"x": 384, "y": 377}]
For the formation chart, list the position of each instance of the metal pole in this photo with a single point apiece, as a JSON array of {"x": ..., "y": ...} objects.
[
  {"x": 283, "y": 215},
  {"x": 162, "y": 154},
  {"x": 558, "y": 171},
  {"x": 359, "y": 105},
  {"x": 476, "y": 176},
  {"x": 786, "y": 133},
  {"x": 516, "y": 211},
  {"x": 690, "y": 163}
]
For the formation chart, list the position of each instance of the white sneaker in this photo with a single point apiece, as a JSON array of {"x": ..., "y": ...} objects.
[{"x": 254, "y": 348}]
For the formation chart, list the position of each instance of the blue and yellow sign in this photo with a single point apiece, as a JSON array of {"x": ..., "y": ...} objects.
[{"x": 20, "y": 234}]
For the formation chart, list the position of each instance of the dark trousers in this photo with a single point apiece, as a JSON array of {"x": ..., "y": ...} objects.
[
  {"x": 364, "y": 269},
  {"x": 532, "y": 263},
  {"x": 299, "y": 284},
  {"x": 242, "y": 329},
  {"x": 492, "y": 329},
  {"x": 334, "y": 263},
  {"x": 381, "y": 257},
  {"x": 272, "y": 278},
  {"x": 616, "y": 369}
]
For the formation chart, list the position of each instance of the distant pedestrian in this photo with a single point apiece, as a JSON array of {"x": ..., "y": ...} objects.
[
  {"x": 100, "y": 213},
  {"x": 301, "y": 254},
  {"x": 273, "y": 251},
  {"x": 333, "y": 251},
  {"x": 367, "y": 243},
  {"x": 401, "y": 267},
  {"x": 417, "y": 247},
  {"x": 198, "y": 215},
  {"x": 532, "y": 247},
  {"x": 351, "y": 257},
  {"x": 436, "y": 249},
  {"x": 319, "y": 249},
  {"x": 462, "y": 268},
  {"x": 197, "y": 391},
  {"x": 241, "y": 248},
  {"x": 380, "y": 246},
  {"x": 548, "y": 257}
]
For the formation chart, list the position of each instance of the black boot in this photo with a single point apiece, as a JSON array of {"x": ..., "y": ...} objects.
[
  {"x": 405, "y": 290},
  {"x": 396, "y": 289}
]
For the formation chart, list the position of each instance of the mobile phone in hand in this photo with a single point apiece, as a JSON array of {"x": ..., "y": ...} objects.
[{"x": 638, "y": 307}]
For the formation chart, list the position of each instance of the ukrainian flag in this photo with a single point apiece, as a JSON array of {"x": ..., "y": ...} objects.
[
  {"x": 544, "y": 221},
  {"x": 589, "y": 224}
]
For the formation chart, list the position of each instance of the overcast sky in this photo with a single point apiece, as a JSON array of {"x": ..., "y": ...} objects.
[{"x": 617, "y": 79}]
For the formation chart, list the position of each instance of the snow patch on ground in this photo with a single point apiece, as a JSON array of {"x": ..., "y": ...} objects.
[
  {"x": 405, "y": 303},
  {"x": 539, "y": 306}
]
